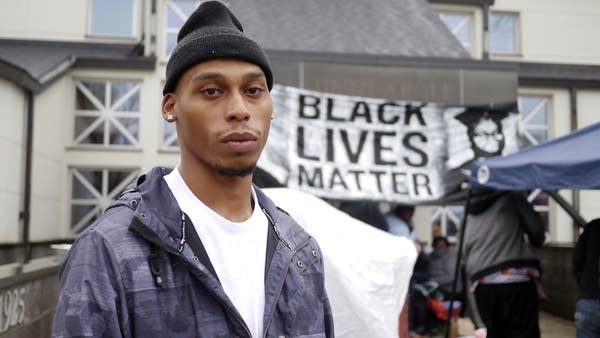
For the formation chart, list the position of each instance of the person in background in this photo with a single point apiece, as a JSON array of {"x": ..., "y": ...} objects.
[
  {"x": 399, "y": 221},
  {"x": 198, "y": 251},
  {"x": 586, "y": 264},
  {"x": 412, "y": 317},
  {"x": 441, "y": 266},
  {"x": 501, "y": 264}
]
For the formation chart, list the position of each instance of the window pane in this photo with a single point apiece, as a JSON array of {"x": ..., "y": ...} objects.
[
  {"x": 82, "y": 123},
  {"x": 119, "y": 111},
  {"x": 187, "y": 6},
  {"x": 539, "y": 135},
  {"x": 534, "y": 113},
  {"x": 112, "y": 17},
  {"x": 503, "y": 33},
  {"x": 78, "y": 212},
  {"x": 169, "y": 135},
  {"x": 535, "y": 109},
  {"x": 97, "y": 89},
  {"x": 130, "y": 124},
  {"x": 93, "y": 177},
  {"x": 85, "y": 210},
  {"x": 460, "y": 26},
  {"x": 177, "y": 12},
  {"x": 116, "y": 137},
  {"x": 115, "y": 178},
  {"x": 171, "y": 42},
  {"x": 120, "y": 89},
  {"x": 80, "y": 191},
  {"x": 173, "y": 19},
  {"x": 82, "y": 102}
]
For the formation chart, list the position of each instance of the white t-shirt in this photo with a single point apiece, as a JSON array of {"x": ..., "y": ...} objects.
[{"x": 236, "y": 250}]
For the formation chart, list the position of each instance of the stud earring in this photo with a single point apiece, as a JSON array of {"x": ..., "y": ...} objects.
[{"x": 170, "y": 117}]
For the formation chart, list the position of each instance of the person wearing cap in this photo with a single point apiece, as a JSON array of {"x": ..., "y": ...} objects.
[{"x": 198, "y": 251}]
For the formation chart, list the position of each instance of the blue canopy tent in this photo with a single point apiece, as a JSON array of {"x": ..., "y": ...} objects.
[{"x": 568, "y": 162}]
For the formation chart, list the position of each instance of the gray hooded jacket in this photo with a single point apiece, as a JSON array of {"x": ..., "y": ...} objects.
[
  {"x": 501, "y": 228},
  {"x": 135, "y": 273}
]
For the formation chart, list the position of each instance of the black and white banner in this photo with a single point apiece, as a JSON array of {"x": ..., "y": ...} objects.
[{"x": 348, "y": 147}]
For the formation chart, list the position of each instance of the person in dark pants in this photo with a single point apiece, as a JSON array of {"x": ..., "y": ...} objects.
[
  {"x": 502, "y": 266},
  {"x": 586, "y": 266}
]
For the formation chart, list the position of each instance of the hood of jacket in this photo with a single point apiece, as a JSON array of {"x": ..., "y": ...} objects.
[
  {"x": 159, "y": 219},
  {"x": 483, "y": 199}
]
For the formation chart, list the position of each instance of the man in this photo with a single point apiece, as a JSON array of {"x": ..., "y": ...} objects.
[
  {"x": 399, "y": 221},
  {"x": 586, "y": 259},
  {"x": 199, "y": 251},
  {"x": 499, "y": 261},
  {"x": 441, "y": 266}
]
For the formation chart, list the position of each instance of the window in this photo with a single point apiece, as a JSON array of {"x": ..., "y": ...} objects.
[
  {"x": 533, "y": 126},
  {"x": 533, "y": 111},
  {"x": 92, "y": 190},
  {"x": 114, "y": 18},
  {"x": 107, "y": 113},
  {"x": 503, "y": 33},
  {"x": 176, "y": 12},
  {"x": 460, "y": 24},
  {"x": 446, "y": 221},
  {"x": 169, "y": 140}
]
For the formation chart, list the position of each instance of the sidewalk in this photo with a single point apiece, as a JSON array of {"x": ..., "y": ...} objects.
[
  {"x": 550, "y": 326},
  {"x": 556, "y": 327}
]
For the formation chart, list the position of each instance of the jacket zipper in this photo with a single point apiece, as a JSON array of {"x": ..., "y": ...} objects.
[
  {"x": 276, "y": 229},
  {"x": 281, "y": 287},
  {"x": 161, "y": 245}
]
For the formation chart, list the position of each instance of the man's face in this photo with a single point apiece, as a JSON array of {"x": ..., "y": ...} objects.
[{"x": 223, "y": 111}]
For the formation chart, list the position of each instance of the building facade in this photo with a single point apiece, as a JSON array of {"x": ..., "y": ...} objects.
[{"x": 81, "y": 84}]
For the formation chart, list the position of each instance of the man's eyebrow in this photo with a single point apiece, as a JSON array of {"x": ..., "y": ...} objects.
[
  {"x": 207, "y": 76},
  {"x": 254, "y": 75}
]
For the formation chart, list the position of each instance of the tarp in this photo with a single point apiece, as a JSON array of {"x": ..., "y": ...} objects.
[
  {"x": 367, "y": 271},
  {"x": 568, "y": 162}
]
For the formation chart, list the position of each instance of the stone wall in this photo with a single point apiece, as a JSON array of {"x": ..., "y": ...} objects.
[
  {"x": 28, "y": 297},
  {"x": 558, "y": 281}
]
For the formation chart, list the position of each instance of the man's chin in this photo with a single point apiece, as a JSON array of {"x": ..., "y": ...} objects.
[{"x": 234, "y": 172}]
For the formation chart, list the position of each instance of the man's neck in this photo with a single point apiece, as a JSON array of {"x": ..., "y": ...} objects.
[{"x": 230, "y": 197}]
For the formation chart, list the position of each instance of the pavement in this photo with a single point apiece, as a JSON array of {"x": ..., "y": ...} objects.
[
  {"x": 550, "y": 326},
  {"x": 556, "y": 327}
]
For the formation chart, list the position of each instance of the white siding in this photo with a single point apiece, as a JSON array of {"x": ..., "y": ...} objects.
[
  {"x": 557, "y": 31},
  {"x": 13, "y": 113}
]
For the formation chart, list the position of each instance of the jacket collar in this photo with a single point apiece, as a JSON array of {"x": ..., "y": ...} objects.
[{"x": 160, "y": 214}]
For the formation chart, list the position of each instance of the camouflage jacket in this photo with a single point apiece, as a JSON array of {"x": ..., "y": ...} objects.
[{"x": 133, "y": 273}]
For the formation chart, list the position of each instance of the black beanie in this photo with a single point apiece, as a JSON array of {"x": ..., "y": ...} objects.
[{"x": 212, "y": 32}]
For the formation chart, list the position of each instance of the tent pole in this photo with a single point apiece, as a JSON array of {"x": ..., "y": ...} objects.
[
  {"x": 463, "y": 226},
  {"x": 580, "y": 221}
]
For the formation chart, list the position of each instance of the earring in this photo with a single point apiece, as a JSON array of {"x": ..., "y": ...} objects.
[{"x": 170, "y": 117}]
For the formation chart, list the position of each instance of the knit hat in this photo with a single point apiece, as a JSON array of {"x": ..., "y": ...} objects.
[{"x": 212, "y": 32}]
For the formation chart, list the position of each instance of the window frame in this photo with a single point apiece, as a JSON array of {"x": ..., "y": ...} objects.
[
  {"x": 470, "y": 14},
  {"x": 135, "y": 16},
  {"x": 172, "y": 30},
  {"x": 101, "y": 200},
  {"x": 517, "y": 33},
  {"x": 105, "y": 117}
]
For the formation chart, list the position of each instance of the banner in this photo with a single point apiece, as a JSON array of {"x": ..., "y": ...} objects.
[{"x": 359, "y": 148}]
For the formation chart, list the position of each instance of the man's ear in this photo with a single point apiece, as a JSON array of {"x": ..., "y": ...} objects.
[{"x": 168, "y": 107}]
